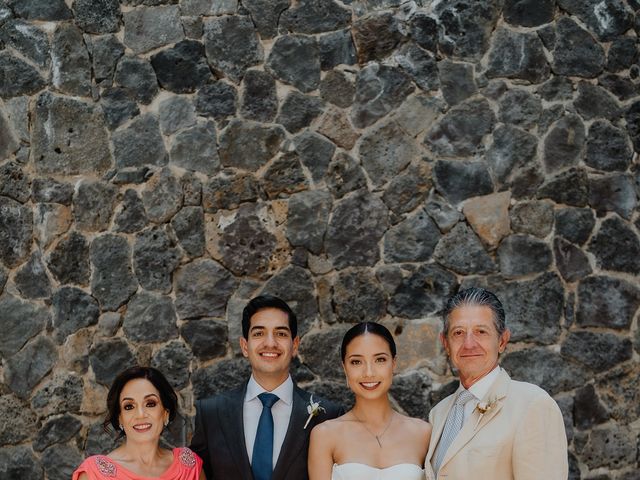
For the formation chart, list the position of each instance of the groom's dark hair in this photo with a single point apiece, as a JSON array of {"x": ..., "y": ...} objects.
[{"x": 267, "y": 301}]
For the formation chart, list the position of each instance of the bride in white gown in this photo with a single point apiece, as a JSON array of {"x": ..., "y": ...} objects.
[{"x": 371, "y": 441}]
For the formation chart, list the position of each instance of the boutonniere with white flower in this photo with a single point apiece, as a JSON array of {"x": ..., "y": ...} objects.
[
  {"x": 484, "y": 407},
  {"x": 313, "y": 409}
]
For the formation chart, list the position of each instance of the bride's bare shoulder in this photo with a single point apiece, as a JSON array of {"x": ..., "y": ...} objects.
[
  {"x": 335, "y": 426},
  {"x": 416, "y": 425}
]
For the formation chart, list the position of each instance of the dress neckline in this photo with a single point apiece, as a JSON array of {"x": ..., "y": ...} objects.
[
  {"x": 377, "y": 468},
  {"x": 136, "y": 476}
]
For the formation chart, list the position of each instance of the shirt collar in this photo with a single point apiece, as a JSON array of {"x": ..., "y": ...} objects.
[
  {"x": 284, "y": 391},
  {"x": 482, "y": 386}
]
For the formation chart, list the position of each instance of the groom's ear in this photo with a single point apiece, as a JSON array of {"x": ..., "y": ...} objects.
[
  {"x": 296, "y": 345},
  {"x": 244, "y": 347}
]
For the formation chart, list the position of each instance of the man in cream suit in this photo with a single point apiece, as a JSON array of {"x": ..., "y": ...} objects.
[{"x": 492, "y": 427}]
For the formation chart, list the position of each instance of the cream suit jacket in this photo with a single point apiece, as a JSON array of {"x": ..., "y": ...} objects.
[{"x": 521, "y": 437}]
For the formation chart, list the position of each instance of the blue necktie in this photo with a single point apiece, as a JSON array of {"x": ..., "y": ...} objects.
[{"x": 262, "y": 460}]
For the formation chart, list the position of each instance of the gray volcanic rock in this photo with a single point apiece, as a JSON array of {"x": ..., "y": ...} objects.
[
  {"x": 315, "y": 16},
  {"x": 608, "y": 147},
  {"x": 19, "y": 461},
  {"x": 424, "y": 31},
  {"x": 70, "y": 61},
  {"x": 58, "y": 430},
  {"x": 355, "y": 228},
  {"x": 259, "y": 100},
  {"x": 14, "y": 182},
  {"x": 622, "y": 53},
  {"x": 68, "y": 137},
  {"x": 556, "y": 88},
  {"x": 379, "y": 90},
  {"x": 203, "y": 288},
  {"x": 265, "y": 15},
  {"x": 162, "y": 197},
  {"x": 206, "y": 338},
  {"x": 102, "y": 16},
  {"x": 461, "y": 130},
  {"x": 220, "y": 377},
  {"x": 93, "y": 205},
  {"x": 423, "y": 292},
  {"x": 31, "y": 278},
  {"x": 358, "y": 297},
  {"x": 606, "y": 302},
  {"x": 320, "y": 350},
  {"x": 21, "y": 321},
  {"x": 61, "y": 394},
  {"x": 466, "y": 27},
  {"x": 155, "y": 257},
  {"x": 28, "y": 39},
  {"x": 456, "y": 81},
  {"x": 532, "y": 217},
  {"x": 614, "y": 192},
  {"x": 520, "y": 108},
  {"x": 16, "y": 232},
  {"x": 570, "y": 187},
  {"x": 461, "y": 251},
  {"x": 48, "y": 10},
  {"x": 458, "y": 180},
  {"x": 375, "y": 36},
  {"x": 228, "y": 190},
  {"x": 217, "y": 100},
  {"x": 118, "y": 105},
  {"x": 574, "y": 224},
  {"x": 408, "y": 189},
  {"x": 147, "y": 28},
  {"x": 445, "y": 216},
  {"x": 298, "y": 111},
  {"x": 521, "y": 255},
  {"x": 112, "y": 280},
  {"x": 174, "y": 359},
  {"x": 315, "y": 153},
  {"x": 616, "y": 247},
  {"x": 344, "y": 175},
  {"x": 386, "y": 151},
  {"x": 236, "y": 152},
  {"x": 176, "y": 113},
  {"x": 336, "y": 48},
  {"x": 594, "y": 101},
  {"x": 18, "y": 420},
  {"x": 597, "y": 351},
  {"x": 105, "y": 52},
  {"x": 188, "y": 227},
  {"x": 140, "y": 143},
  {"x": 412, "y": 240},
  {"x": 588, "y": 409},
  {"x": 576, "y": 52},
  {"x": 307, "y": 220},
  {"x": 48, "y": 190},
  {"x": 295, "y": 60},
  {"x": 572, "y": 262},
  {"x": 609, "y": 446},
  {"x": 632, "y": 116},
  {"x": 8, "y": 141},
  {"x": 150, "y": 318},
  {"x": 564, "y": 144},
  {"x": 137, "y": 76},
  {"x": 419, "y": 64},
  {"x": 606, "y": 20},
  {"x": 19, "y": 78},
  {"x": 109, "y": 357},
  {"x": 73, "y": 309},
  {"x": 195, "y": 149},
  {"x": 182, "y": 68},
  {"x": 529, "y": 13},
  {"x": 132, "y": 216},
  {"x": 25, "y": 369},
  {"x": 517, "y": 55},
  {"x": 231, "y": 45},
  {"x": 512, "y": 151}
]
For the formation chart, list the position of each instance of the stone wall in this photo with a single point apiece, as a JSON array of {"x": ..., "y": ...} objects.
[{"x": 163, "y": 161}]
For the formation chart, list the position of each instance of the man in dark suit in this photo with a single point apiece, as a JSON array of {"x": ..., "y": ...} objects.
[{"x": 259, "y": 431}]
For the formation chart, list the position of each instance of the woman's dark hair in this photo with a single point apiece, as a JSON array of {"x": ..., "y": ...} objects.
[
  {"x": 367, "y": 327},
  {"x": 168, "y": 397},
  {"x": 267, "y": 301}
]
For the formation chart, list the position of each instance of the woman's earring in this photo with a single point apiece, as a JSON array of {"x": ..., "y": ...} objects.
[
  {"x": 121, "y": 427},
  {"x": 166, "y": 423}
]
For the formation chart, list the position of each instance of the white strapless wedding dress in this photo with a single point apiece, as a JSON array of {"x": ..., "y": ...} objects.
[{"x": 360, "y": 471}]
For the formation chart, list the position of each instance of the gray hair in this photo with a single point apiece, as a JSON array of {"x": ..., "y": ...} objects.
[{"x": 476, "y": 296}]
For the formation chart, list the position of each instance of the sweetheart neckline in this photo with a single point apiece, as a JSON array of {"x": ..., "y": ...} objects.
[{"x": 376, "y": 468}]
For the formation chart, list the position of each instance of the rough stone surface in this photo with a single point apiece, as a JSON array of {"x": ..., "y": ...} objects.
[
  {"x": 19, "y": 461},
  {"x": 461, "y": 251},
  {"x": 59, "y": 430},
  {"x": 162, "y": 197},
  {"x": 608, "y": 147},
  {"x": 375, "y": 36},
  {"x": 532, "y": 217},
  {"x": 408, "y": 189},
  {"x": 25, "y": 369},
  {"x": 236, "y": 152},
  {"x": 298, "y": 111},
  {"x": 512, "y": 149},
  {"x": 461, "y": 130},
  {"x": 315, "y": 16},
  {"x": 336, "y": 48},
  {"x": 569, "y": 187},
  {"x": 110, "y": 357},
  {"x": 357, "y": 297},
  {"x": 73, "y": 309},
  {"x": 195, "y": 149},
  {"x": 105, "y": 51},
  {"x": 61, "y": 394},
  {"x": 231, "y": 45},
  {"x": 118, "y": 106},
  {"x": 176, "y": 113},
  {"x": 228, "y": 190},
  {"x": 308, "y": 217},
  {"x": 102, "y": 16},
  {"x": 574, "y": 224},
  {"x": 188, "y": 226},
  {"x": 609, "y": 447},
  {"x": 207, "y": 338},
  {"x": 22, "y": 321},
  {"x": 196, "y": 299},
  {"x": 19, "y": 78},
  {"x": 18, "y": 420},
  {"x": 520, "y": 108},
  {"x": 606, "y": 20},
  {"x": 517, "y": 55},
  {"x": 315, "y": 153},
  {"x": 295, "y": 60},
  {"x": 30, "y": 40},
  {"x": 183, "y": 68},
  {"x": 137, "y": 76},
  {"x": 616, "y": 247},
  {"x": 147, "y": 28},
  {"x": 457, "y": 81},
  {"x": 41, "y": 9},
  {"x": 93, "y": 205},
  {"x": 379, "y": 89},
  {"x": 31, "y": 278},
  {"x": 597, "y": 351},
  {"x": 613, "y": 193},
  {"x": 595, "y": 102},
  {"x": 412, "y": 240},
  {"x": 335, "y": 125},
  {"x": 112, "y": 279},
  {"x": 69, "y": 137},
  {"x": 259, "y": 100},
  {"x": 521, "y": 255},
  {"x": 151, "y": 318},
  {"x": 344, "y": 175},
  {"x": 489, "y": 216},
  {"x": 155, "y": 257},
  {"x": 16, "y": 228},
  {"x": 576, "y": 52},
  {"x": 265, "y": 15},
  {"x": 459, "y": 180},
  {"x": 564, "y": 144},
  {"x": 420, "y": 65},
  {"x": 139, "y": 144},
  {"x": 355, "y": 227},
  {"x": 132, "y": 216},
  {"x": 529, "y": 13},
  {"x": 606, "y": 302}
]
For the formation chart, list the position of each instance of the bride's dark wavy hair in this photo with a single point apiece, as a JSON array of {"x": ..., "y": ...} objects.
[{"x": 363, "y": 328}]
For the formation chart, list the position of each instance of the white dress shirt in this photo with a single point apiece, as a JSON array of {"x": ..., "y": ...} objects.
[
  {"x": 479, "y": 390},
  {"x": 281, "y": 411}
]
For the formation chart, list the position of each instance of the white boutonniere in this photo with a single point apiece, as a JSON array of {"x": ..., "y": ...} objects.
[
  {"x": 484, "y": 407},
  {"x": 314, "y": 409}
]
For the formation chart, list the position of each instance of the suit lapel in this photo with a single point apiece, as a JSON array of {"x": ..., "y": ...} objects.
[
  {"x": 296, "y": 436},
  {"x": 477, "y": 421},
  {"x": 233, "y": 429},
  {"x": 438, "y": 426}
]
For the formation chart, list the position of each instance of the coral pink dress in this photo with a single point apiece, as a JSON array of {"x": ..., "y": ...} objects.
[{"x": 186, "y": 466}]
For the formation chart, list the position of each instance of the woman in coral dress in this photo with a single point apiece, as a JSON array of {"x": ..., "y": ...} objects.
[{"x": 140, "y": 404}]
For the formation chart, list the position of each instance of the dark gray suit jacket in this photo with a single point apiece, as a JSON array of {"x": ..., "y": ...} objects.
[{"x": 219, "y": 436}]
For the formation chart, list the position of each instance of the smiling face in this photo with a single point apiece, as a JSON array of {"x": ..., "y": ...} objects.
[
  {"x": 142, "y": 414},
  {"x": 269, "y": 347},
  {"x": 368, "y": 365},
  {"x": 473, "y": 343}
]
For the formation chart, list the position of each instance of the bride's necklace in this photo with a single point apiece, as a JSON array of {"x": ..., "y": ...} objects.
[{"x": 377, "y": 437}]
